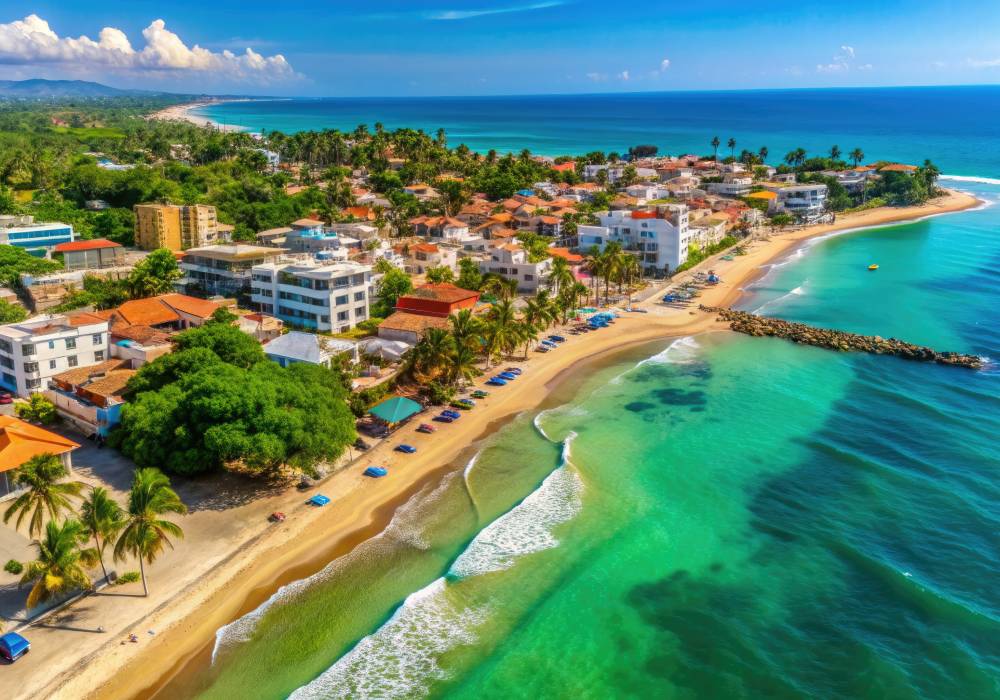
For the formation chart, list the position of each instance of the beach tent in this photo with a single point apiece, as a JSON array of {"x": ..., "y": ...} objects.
[{"x": 395, "y": 409}]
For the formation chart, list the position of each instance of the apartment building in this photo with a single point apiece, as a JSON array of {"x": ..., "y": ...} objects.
[
  {"x": 35, "y": 350},
  {"x": 805, "y": 201},
  {"x": 659, "y": 237},
  {"x": 37, "y": 239},
  {"x": 313, "y": 294},
  {"x": 223, "y": 270},
  {"x": 511, "y": 262},
  {"x": 175, "y": 227}
]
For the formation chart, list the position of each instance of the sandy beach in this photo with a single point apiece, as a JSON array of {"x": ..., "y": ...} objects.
[
  {"x": 184, "y": 113},
  {"x": 207, "y": 594}
]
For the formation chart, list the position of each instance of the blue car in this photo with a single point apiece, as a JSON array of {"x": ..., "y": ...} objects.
[
  {"x": 497, "y": 381},
  {"x": 454, "y": 415},
  {"x": 557, "y": 338},
  {"x": 549, "y": 344},
  {"x": 319, "y": 500},
  {"x": 376, "y": 472},
  {"x": 507, "y": 376},
  {"x": 408, "y": 449},
  {"x": 13, "y": 646},
  {"x": 444, "y": 419}
]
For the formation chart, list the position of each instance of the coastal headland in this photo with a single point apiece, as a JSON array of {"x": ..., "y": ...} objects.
[{"x": 262, "y": 557}]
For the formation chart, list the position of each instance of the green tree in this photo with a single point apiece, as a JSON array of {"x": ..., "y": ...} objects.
[
  {"x": 44, "y": 494},
  {"x": 715, "y": 147},
  {"x": 15, "y": 261},
  {"x": 154, "y": 275},
  {"x": 60, "y": 567},
  {"x": 835, "y": 152},
  {"x": 145, "y": 533},
  {"x": 229, "y": 343},
  {"x": 11, "y": 313},
  {"x": 36, "y": 409},
  {"x": 438, "y": 275},
  {"x": 731, "y": 144},
  {"x": 394, "y": 284},
  {"x": 856, "y": 156},
  {"x": 102, "y": 518}
]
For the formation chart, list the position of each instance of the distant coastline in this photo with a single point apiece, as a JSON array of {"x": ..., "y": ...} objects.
[{"x": 185, "y": 113}]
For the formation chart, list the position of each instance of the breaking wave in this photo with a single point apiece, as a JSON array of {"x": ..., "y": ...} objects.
[{"x": 972, "y": 178}]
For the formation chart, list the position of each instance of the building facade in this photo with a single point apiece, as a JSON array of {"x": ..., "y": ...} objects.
[
  {"x": 175, "y": 227},
  {"x": 223, "y": 270},
  {"x": 96, "y": 254},
  {"x": 313, "y": 294},
  {"x": 659, "y": 238},
  {"x": 37, "y": 239},
  {"x": 511, "y": 262},
  {"x": 35, "y": 350}
]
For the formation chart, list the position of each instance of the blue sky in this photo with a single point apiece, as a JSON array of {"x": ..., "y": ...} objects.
[{"x": 463, "y": 47}]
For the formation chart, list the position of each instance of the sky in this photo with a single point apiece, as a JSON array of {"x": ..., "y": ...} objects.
[{"x": 478, "y": 47}]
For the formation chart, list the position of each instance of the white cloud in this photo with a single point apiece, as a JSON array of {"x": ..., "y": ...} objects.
[
  {"x": 623, "y": 75},
  {"x": 984, "y": 63},
  {"x": 848, "y": 51},
  {"x": 597, "y": 77},
  {"x": 843, "y": 62},
  {"x": 664, "y": 64},
  {"x": 32, "y": 41},
  {"x": 451, "y": 15},
  {"x": 831, "y": 67},
  {"x": 865, "y": 66}
]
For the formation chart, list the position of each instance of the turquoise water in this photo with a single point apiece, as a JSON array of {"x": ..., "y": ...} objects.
[
  {"x": 713, "y": 517},
  {"x": 954, "y": 126}
]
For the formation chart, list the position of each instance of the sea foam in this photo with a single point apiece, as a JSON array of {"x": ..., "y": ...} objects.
[{"x": 400, "y": 659}]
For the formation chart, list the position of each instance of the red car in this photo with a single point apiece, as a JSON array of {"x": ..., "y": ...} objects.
[
  {"x": 426, "y": 428},
  {"x": 6, "y": 398}
]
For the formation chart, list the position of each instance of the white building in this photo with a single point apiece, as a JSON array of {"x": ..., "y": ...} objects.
[
  {"x": 806, "y": 201},
  {"x": 37, "y": 239},
  {"x": 732, "y": 185},
  {"x": 510, "y": 261},
  {"x": 614, "y": 171},
  {"x": 660, "y": 238},
  {"x": 313, "y": 294},
  {"x": 32, "y": 351}
]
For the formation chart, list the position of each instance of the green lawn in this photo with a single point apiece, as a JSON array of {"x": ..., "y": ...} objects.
[{"x": 90, "y": 132}]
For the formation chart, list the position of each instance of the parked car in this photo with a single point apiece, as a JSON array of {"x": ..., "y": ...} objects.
[
  {"x": 13, "y": 646},
  {"x": 444, "y": 419},
  {"x": 451, "y": 414},
  {"x": 408, "y": 449},
  {"x": 376, "y": 472},
  {"x": 6, "y": 398},
  {"x": 426, "y": 428}
]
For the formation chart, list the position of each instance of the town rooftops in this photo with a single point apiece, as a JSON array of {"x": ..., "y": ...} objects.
[
  {"x": 566, "y": 255},
  {"x": 105, "y": 381},
  {"x": 156, "y": 311},
  {"x": 762, "y": 194},
  {"x": 20, "y": 441},
  {"x": 307, "y": 347},
  {"x": 564, "y": 167},
  {"x": 307, "y": 223},
  {"x": 424, "y": 248},
  {"x": 897, "y": 168},
  {"x": 413, "y": 323},
  {"x": 447, "y": 293},
  {"x": 94, "y": 244}
]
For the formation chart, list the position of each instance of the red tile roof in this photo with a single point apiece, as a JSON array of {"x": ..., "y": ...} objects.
[{"x": 95, "y": 244}]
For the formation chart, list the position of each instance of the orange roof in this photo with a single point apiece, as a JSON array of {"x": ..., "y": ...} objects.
[
  {"x": 95, "y": 244},
  {"x": 441, "y": 292},
  {"x": 414, "y": 323},
  {"x": 360, "y": 212},
  {"x": 563, "y": 167},
  {"x": 20, "y": 441},
  {"x": 156, "y": 311},
  {"x": 425, "y": 248},
  {"x": 763, "y": 194},
  {"x": 566, "y": 255},
  {"x": 898, "y": 168}
]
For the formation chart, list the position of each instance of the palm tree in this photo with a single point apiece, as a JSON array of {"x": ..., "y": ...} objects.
[
  {"x": 857, "y": 155},
  {"x": 463, "y": 364},
  {"x": 502, "y": 332},
  {"x": 44, "y": 493},
  {"x": 466, "y": 329},
  {"x": 763, "y": 154},
  {"x": 560, "y": 276},
  {"x": 731, "y": 144},
  {"x": 60, "y": 566},
  {"x": 433, "y": 353},
  {"x": 715, "y": 146},
  {"x": 528, "y": 334},
  {"x": 145, "y": 534},
  {"x": 835, "y": 152},
  {"x": 103, "y": 518},
  {"x": 503, "y": 289}
]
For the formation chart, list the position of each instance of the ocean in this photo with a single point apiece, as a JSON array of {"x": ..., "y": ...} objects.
[
  {"x": 713, "y": 516},
  {"x": 954, "y": 126}
]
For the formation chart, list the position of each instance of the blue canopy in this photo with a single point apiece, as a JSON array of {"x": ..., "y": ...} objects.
[{"x": 396, "y": 409}]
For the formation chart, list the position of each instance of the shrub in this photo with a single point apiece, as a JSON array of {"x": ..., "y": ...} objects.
[
  {"x": 13, "y": 567},
  {"x": 439, "y": 393},
  {"x": 37, "y": 409},
  {"x": 128, "y": 577}
]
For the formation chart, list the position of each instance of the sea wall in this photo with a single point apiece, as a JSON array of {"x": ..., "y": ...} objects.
[{"x": 752, "y": 324}]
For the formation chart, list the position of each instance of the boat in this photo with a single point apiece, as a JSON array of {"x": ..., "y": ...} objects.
[{"x": 873, "y": 267}]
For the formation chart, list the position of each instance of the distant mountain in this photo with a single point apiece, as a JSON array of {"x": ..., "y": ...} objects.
[{"x": 39, "y": 88}]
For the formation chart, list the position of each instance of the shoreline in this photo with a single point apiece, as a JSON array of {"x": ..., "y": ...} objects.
[
  {"x": 310, "y": 539},
  {"x": 183, "y": 113}
]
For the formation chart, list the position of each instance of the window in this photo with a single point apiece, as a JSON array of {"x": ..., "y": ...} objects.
[
  {"x": 359, "y": 296},
  {"x": 33, "y": 383},
  {"x": 341, "y": 300},
  {"x": 30, "y": 366},
  {"x": 98, "y": 339},
  {"x": 6, "y": 362},
  {"x": 529, "y": 278},
  {"x": 52, "y": 364},
  {"x": 52, "y": 345},
  {"x": 28, "y": 349},
  {"x": 6, "y": 346},
  {"x": 71, "y": 343},
  {"x": 360, "y": 313},
  {"x": 99, "y": 356},
  {"x": 73, "y": 362},
  {"x": 343, "y": 316}
]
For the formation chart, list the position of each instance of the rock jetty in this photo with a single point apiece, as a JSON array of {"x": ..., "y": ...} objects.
[{"x": 752, "y": 324}]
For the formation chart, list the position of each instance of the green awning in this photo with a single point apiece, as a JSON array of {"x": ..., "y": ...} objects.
[{"x": 396, "y": 409}]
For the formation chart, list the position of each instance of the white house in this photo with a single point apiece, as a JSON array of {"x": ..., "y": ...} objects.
[
  {"x": 33, "y": 351},
  {"x": 510, "y": 261},
  {"x": 660, "y": 237},
  {"x": 313, "y": 294},
  {"x": 806, "y": 201},
  {"x": 732, "y": 185},
  {"x": 423, "y": 256}
]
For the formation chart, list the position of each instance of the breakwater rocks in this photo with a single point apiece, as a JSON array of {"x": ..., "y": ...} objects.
[{"x": 751, "y": 324}]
